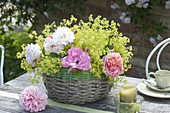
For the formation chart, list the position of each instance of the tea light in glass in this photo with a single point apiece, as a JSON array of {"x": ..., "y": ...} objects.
[
  {"x": 127, "y": 101},
  {"x": 128, "y": 93}
]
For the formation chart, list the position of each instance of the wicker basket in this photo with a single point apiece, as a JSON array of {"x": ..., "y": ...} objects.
[{"x": 76, "y": 89}]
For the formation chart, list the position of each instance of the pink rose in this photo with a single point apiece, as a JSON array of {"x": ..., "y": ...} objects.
[
  {"x": 33, "y": 99},
  {"x": 113, "y": 64},
  {"x": 76, "y": 59}
]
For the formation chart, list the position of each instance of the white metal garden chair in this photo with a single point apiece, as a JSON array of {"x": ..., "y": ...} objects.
[
  {"x": 1, "y": 67},
  {"x": 161, "y": 45}
]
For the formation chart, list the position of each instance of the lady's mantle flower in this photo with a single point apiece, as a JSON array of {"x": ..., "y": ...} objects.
[
  {"x": 60, "y": 38},
  {"x": 33, "y": 53},
  {"x": 33, "y": 99},
  {"x": 113, "y": 64},
  {"x": 76, "y": 59}
]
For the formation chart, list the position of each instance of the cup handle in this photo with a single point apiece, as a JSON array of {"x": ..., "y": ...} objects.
[{"x": 151, "y": 73}]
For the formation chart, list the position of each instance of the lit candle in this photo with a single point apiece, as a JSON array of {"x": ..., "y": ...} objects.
[{"x": 128, "y": 93}]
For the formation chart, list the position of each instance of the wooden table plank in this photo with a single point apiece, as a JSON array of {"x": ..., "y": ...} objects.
[{"x": 8, "y": 105}]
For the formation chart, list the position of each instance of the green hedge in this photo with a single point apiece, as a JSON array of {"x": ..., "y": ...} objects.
[{"x": 12, "y": 41}]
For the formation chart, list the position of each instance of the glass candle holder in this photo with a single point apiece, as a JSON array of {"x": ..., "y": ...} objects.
[
  {"x": 128, "y": 93},
  {"x": 122, "y": 107}
]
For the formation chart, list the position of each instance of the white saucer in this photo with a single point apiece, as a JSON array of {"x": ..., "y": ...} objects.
[
  {"x": 142, "y": 88},
  {"x": 156, "y": 88}
]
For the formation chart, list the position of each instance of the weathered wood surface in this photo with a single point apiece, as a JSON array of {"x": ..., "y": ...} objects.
[{"x": 11, "y": 105}]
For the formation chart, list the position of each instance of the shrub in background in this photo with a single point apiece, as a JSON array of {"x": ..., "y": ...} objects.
[{"x": 12, "y": 41}]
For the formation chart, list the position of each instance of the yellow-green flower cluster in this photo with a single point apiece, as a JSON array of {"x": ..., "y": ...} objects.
[{"x": 98, "y": 35}]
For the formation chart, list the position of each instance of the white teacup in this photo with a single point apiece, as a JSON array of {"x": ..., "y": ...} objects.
[{"x": 162, "y": 78}]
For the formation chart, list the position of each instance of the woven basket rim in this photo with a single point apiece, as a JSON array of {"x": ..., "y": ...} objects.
[{"x": 79, "y": 75}]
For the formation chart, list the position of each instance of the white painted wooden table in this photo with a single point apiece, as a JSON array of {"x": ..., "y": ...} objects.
[{"x": 10, "y": 90}]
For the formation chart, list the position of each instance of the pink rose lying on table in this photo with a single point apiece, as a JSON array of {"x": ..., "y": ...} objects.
[
  {"x": 113, "y": 64},
  {"x": 76, "y": 59},
  {"x": 33, "y": 99}
]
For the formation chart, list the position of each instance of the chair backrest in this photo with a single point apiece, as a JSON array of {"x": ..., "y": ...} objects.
[
  {"x": 2, "y": 64},
  {"x": 161, "y": 45}
]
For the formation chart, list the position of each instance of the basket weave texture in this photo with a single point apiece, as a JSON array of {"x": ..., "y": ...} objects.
[{"x": 76, "y": 89}]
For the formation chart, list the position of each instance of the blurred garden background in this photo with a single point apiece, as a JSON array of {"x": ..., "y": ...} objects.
[{"x": 146, "y": 22}]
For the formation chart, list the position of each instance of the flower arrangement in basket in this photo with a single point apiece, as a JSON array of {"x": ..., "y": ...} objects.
[{"x": 77, "y": 59}]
